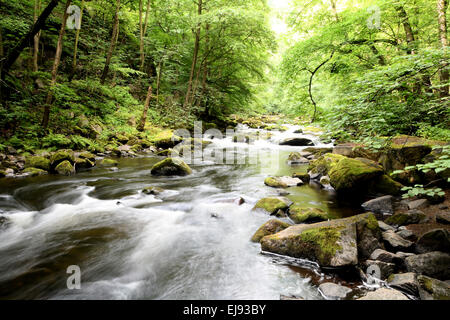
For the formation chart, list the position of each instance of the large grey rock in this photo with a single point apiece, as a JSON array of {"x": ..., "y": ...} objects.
[
  {"x": 383, "y": 255},
  {"x": 396, "y": 243},
  {"x": 385, "y": 227},
  {"x": 405, "y": 282},
  {"x": 434, "y": 240},
  {"x": 282, "y": 182},
  {"x": 433, "y": 289},
  {"x": 418, "y": 204},
  {"x": 384, "y": 294},
  {"x": 433, "y": 264},
  {"x": 381, "y": 205},
  {"x": 334, "y": 291},
  {"x": 407, "y": 235}
]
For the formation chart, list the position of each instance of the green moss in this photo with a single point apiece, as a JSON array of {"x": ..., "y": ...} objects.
[
  {"x": 171, "y": 166},
  {"x": 386, "y": 185},
  {"x": 271, "y": 205},
  {"x": 37, "y": 162},
  {"x": 274, "y": 183},
  {"x": 269, "y": 228},
  {"x": 299, "y": 214},
  {"x": 65, "y": 168},
  {"x": 325, "y": 163},
  {"x": 372, "y": 223},
  {"x": 108, "y": 163},
  {"x": 323, "y": 241},
  {"x": 35, "y": 171},
  {"x": 87, "y": 155},
  {"x": 62, "y": 155}
]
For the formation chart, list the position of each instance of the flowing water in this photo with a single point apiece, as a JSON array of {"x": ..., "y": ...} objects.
[{"x": 190, "y": 242}]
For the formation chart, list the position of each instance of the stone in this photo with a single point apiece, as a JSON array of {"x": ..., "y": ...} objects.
[
  {"x": 418, "y": 204},
  {"x": 108, "y": 163},
  {"x": 385, "y": 268},
  {"x": 302, "y": 176},
  {"x": 405, "y": 282},
  {"x": 270, "y": 227},
  {"x": 433, "y": 289},
  {"x": 87, "y": 155},
  {"x": 396, "y": 243},
  {"x": 300, "y": 214},
  {"x": 330, "y": 243},
  {"x": 33, "y": 172},
  {"x": 432, "y": 264},
  {"x": 171, "y": 167},
  {"x": 272, "y": 205},
  {"x": 37, "y": 162},
  {"x": 282, "y": 182},
  {"x": 384, "y": 294},
  {"x": 81, "y": 163},
  {"x": 325, "y": 180},
  {"x": 334, "y": 291},
  {"x": 60, "y": 156},
  {"x": 65, "y": 168},
  {"x": 443, "y": 217},
  {"x": 383, "y": 255},
  {"x": 407, "y": 235},
  {"x": 434, "y": 240},
  {"x": 381, "y": 205},
  {"x": 297, "y": 158},
  {"x": 407, "y": 218},
  {"x": 153, "y": 190},
  {"x": 296, "y": 142},
  {"x": 385, "y": 227}
]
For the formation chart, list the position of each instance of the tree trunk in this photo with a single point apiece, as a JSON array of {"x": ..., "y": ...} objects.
[
  {"x": 146, "y": 17},
  {"x": 407, "y": 27},
  {"x": 56, "y": 62},
  {"x": 442, "y": 19},
  {"x": 112, "y": 45},
  {"x": 141, "y": 35},
  {"x": 14, "y": 53},
  {"x": 333, "y": 7},
  {"x": 194, "y": 61},
  {"x": 37, "y": 9},
  {"x": 205, "y": 66},
  {"x": 75, "y": 49},
  {"x": 158, "y": 81},
  {"x": 141, "y": 126}
]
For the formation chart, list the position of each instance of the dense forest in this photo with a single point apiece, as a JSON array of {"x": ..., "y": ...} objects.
[{"x": 322, "y": 171}]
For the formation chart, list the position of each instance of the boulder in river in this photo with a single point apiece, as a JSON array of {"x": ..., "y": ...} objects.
[
  {"x": 433, "y": 289},
  {"x": 37, "y": 162},
  {"x": 296, "y": 158},
  {"x": 171, "y": 167},
  {"x": 331, "y": 243},
  {"x": 65, "y": 168},
  {"x": 296, "y": 142},
  {"x": 60, "y": 156},
  {"x": 384, "y": 294},
  {"x": 282, "y": 182},
  {"x": 434, "y": 240},
  {"x": 272, "y": 205},
  {"x": 33, "y": 172},
  {"x": 433, "y": 264},
  {"x": 108, "y": 163},
  {"x": 270, "y": 227},
  {"x": 334, "y": 291},
  {"x": 300, "y": 214}
]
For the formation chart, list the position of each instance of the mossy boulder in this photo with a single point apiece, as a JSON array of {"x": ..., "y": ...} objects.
[
  {"x": 318, "y": 151},
  {"x": 87, "y": 155},
  {"x": 166, "y": 139},
  {"x": 433, "y": 289},
  {"x": 302, "y": 176},
  {"x": 324, "y": 164},
  {"x": 35, "y": 171},
  {"x": 121, "y": 137},
  {"x": 37, "y": 162},
  {"x": 300, "y": 214},
  {"x": 65, "y": 168},
  {"x": 297, "y": 158},
  {"x": 270, "y": 227},
  {"x": 108, "y": 163},
  {"x": 272, "y": 205},
  {"x": 61, "y": 156},
  {"x": 334, "y": 243},
  {"x": 171, "y": 167},
  {"x": 406, "y": 218},
  {"x": 282, "y": 182},
  {"x": 167, "y": 153},
  {"x": 82, "y": 163}
]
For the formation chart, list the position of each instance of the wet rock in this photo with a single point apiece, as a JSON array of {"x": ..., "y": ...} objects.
[
  {"x": 300, "y": 214},
  {"x": 37, "y": 162},
  {"x": 153, "y": 190},
  {"x": 383, "y": 255},
  {"x": 166, "y": 139},
  {"x": 108, "y": 163},
  {"x": 384, "y": 294},
  {"x": 381, "y": 205},
  {"x": 282, "y": 182},
  {"x": 385, "y": 268},
  {"x": 404, "y": 219},
  {"x": 325, "y": 181},
  {"x": 407, "y": 235},
  {"x": 433, "y": 289},
  {"x": 396, "y": 243},
  {"x": 124, "y": 148},
  {"x": 334, "y": 291},
  {"x": 168, "y": 153},
  {"x": 81, "y": 163},
  {"x": 330, "y": 243},
  {"x": 297, "y": 158},
  {"x": 61, "y": 156},
  {"x": 87, "y": 155},
  {"x": 171, "y": 167},
  {"x": 4, "y": 222},
  {"x": 65, "y": 168},
  {"x": 405, "y": 282},
  {"x": 443, "y": 217},
  {"x": 418, "y": 204},
  {"x": 385, "y": 227},
  {"x": 270, "y": 227},
  {"x": 272, "y": 205},
  {"x": 434, "y": 240},
  {"x": 433, "y": 264},
  {"x": 296, "y": 142},
  {"x": 33, "y": 172},
  {"x": 302, "y": 176}
]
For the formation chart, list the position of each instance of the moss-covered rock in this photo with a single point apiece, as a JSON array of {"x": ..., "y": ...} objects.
[
  {"x": 332, "y": 243},
  {"x": 166, "y": 139},
  {"x": 108, "y": 162},
  {"x": 37, "y": 162},
  {"x": 171, "y": 167},
  {"x": 318, "y": 151},
  {"x": 433, "y": 289},
  {"x": 82, "y": 163},
  {"x": 270, "y": 227},
  {"x": 87, "y": 155},
  {"x": 168, "y": 153},
  {"x": 300, "y": 214},
  {"x": 406, "y": 218},
  {"x": 282, "y": 182},
  {"x": 272, "y": 205},
  {"x": 35, "y": 171},
  {"x": 325, "y": 163},
  {"x": 65, "y": 168},
  {"x": 386, "y": 185},
  {"x": 62, "y": 155},
  {"x": 302, "y": 176}
]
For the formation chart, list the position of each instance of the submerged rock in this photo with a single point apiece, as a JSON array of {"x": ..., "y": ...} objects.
[
  {"x": 108, "y": 163},
  {"x": 300, "y": 214},
  {"x": 270, "y": 227},
  {"x": 384, "y": 294},
  {"x": 433, "y": 264},
  {"x": 272, "y": 205},
  {"x": 282, "y": 182},
  {"x": 334, "y": 291},
  {"x": 171, "y": 167},
  {"x": 331, "y": 243}
]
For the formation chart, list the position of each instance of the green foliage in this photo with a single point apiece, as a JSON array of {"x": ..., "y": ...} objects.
[{"x": 419, "y": 191}]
